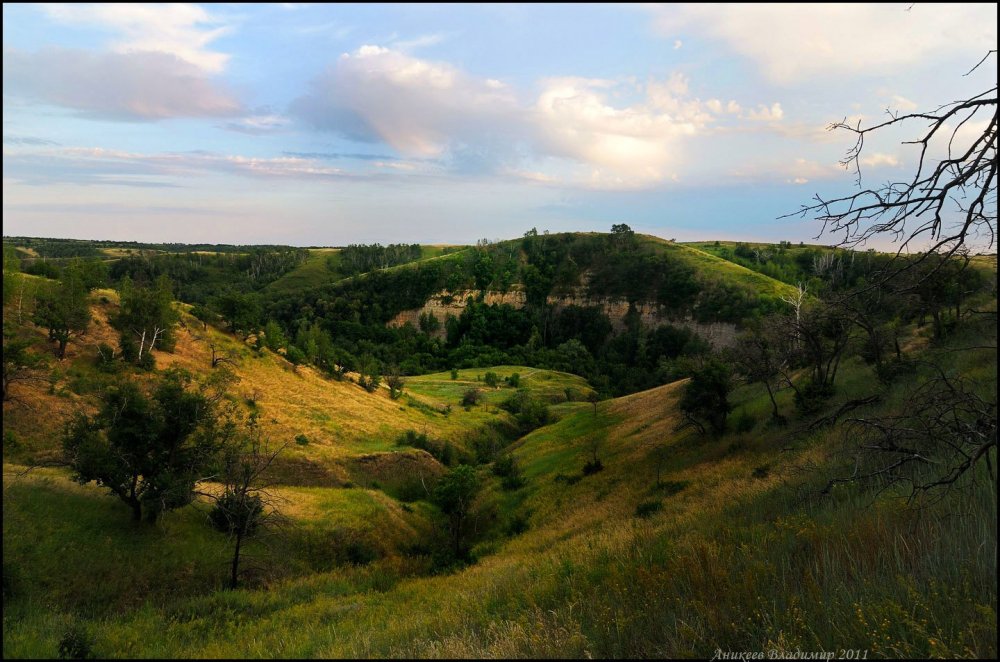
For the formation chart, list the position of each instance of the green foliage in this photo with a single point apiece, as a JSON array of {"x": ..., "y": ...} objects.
[
  {"x": 530, "y": 411},
  {"x": 64, "y": 308},
  {"x": 471, "y": 397},
  {"x": 146, "y": 319},
  {"x": 811, "y": 397},
  {"x": 491, "y": 379},
  {"x": 745, "y": 421},
  {"x": 454, "y": 374},
  {"x": 395, "y": 384},
  {"x": 106, "y": 358},
  {"x": 240, "y": 311},
  {"x": 507, "y": 469},
  {"x": 274, "y": 338},
  {"x": 148, "y": 451},
  {"x": 76, "y": 644},
  {"x": 301, "y": 439},
  {"x": 705, "y": 399},
  {"x": 454, "y": 495},
  {"x": 513, "y": 380}
]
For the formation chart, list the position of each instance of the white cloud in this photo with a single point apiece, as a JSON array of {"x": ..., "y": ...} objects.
[
  {"x": 902, "y": 103},
  {"x": 416, "y": 106},
  {"x": 879, "y": 159},
  {"x": 259, "y": 124},
  {"x": 582, "y": 131},
  {"x": 765, "y": 114},
  {"x": 793, "y": 42},
  {"x": 180, "y": 29},
  {"x": 631, "y": 146},
  {"x": 96, "y": 165},
  {"x": 136, "y": 86},
  {"x": 677, "y": 44}
]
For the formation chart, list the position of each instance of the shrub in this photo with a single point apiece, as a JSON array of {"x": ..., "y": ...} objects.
[
  {"x": 745, "y": 421},
  {"x": 454, "y": 373},
  {"x": 491, "y": 379},
  {"x": 592, "y": 467},
  {"x": 472, "y": 397},
  {"x": 514, "y": 380},
  {"x": 105, "y": 357},
  {"x": 648, "y": 508},
  {"x": 517, "y": 525},
  {"x": 75, "y": 644},
  {"x": 811, "y": 398},
  {"x": 301, "y": 440},
  {"x": 507, "y": 469}
]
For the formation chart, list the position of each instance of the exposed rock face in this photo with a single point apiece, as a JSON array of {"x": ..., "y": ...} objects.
[{"x": 442, "y": 304}]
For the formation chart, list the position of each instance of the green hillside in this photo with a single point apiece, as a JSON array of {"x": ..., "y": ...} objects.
[
  {"x": 601, "y": 526},
  {"x": 611, "y": 564}
]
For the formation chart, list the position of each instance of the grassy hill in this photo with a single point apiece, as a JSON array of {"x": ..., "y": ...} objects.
[
  {"x": 680, "y": 545},
  {"x": 733, "y": 548}
]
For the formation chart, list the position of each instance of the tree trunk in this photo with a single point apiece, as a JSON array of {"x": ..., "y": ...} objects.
[
  {"x": 774, "y": 404},
  {"x": 234, "y": 573},
  {"x": 136, "y": 510},
  {"x": 62, "y": 348}
]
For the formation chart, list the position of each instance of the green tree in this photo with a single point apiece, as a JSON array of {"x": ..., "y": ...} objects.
[
  {"x": 240, "y": 311},
  {"x": 454, "y": 496},
  {"x": 146, "y": 318},
  {"x": 706, "y": 397},
  {"x": 149, "y": 451},
  {"x": 64, "y": 308}
]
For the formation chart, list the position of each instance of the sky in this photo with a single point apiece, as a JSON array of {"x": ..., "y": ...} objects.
[{"x": 309, "y": 124}]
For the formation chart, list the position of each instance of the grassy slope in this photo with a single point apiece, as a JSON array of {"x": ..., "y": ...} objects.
[
  {"x": 712, "y": 267},
  {"x": 316, "y": 270},
  {"x": 736, "y": 558}
]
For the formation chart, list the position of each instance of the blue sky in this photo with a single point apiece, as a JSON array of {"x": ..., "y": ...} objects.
[{"x": 331, "y": 124}]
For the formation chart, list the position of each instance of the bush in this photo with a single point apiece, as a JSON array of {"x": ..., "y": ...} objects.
[
  {"x": 491, "y": 379},
  {"x": 472, "y": 397},
  {"x": 301, "y": 440},
  {"x": 105, "y": 357},
  {"x": 514, "y": 380},
  {"x": 517, "y": 525},
  {"x": 811, "y": 398},
  {"x": 648, "y": 508},
  {"x": 531, "y": 413},
  {"x": 507, "y": 469},
  {"x": 592, "y": 467},
  {"x": 75, "y": 644},
  {"x": 745, "y": 421}
]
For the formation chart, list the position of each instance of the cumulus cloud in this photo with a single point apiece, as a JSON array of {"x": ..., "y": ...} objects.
[
  {"x": 428, "y": 109},
  {"x": 631, "y": 145},
  {"x": 793, "y": 42},
  {"x": 182, "y": 30},
  {"x": 765, "y": 114},
  {"x": 416, "y": 106},
  {"x": 134, "y": 86}
]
